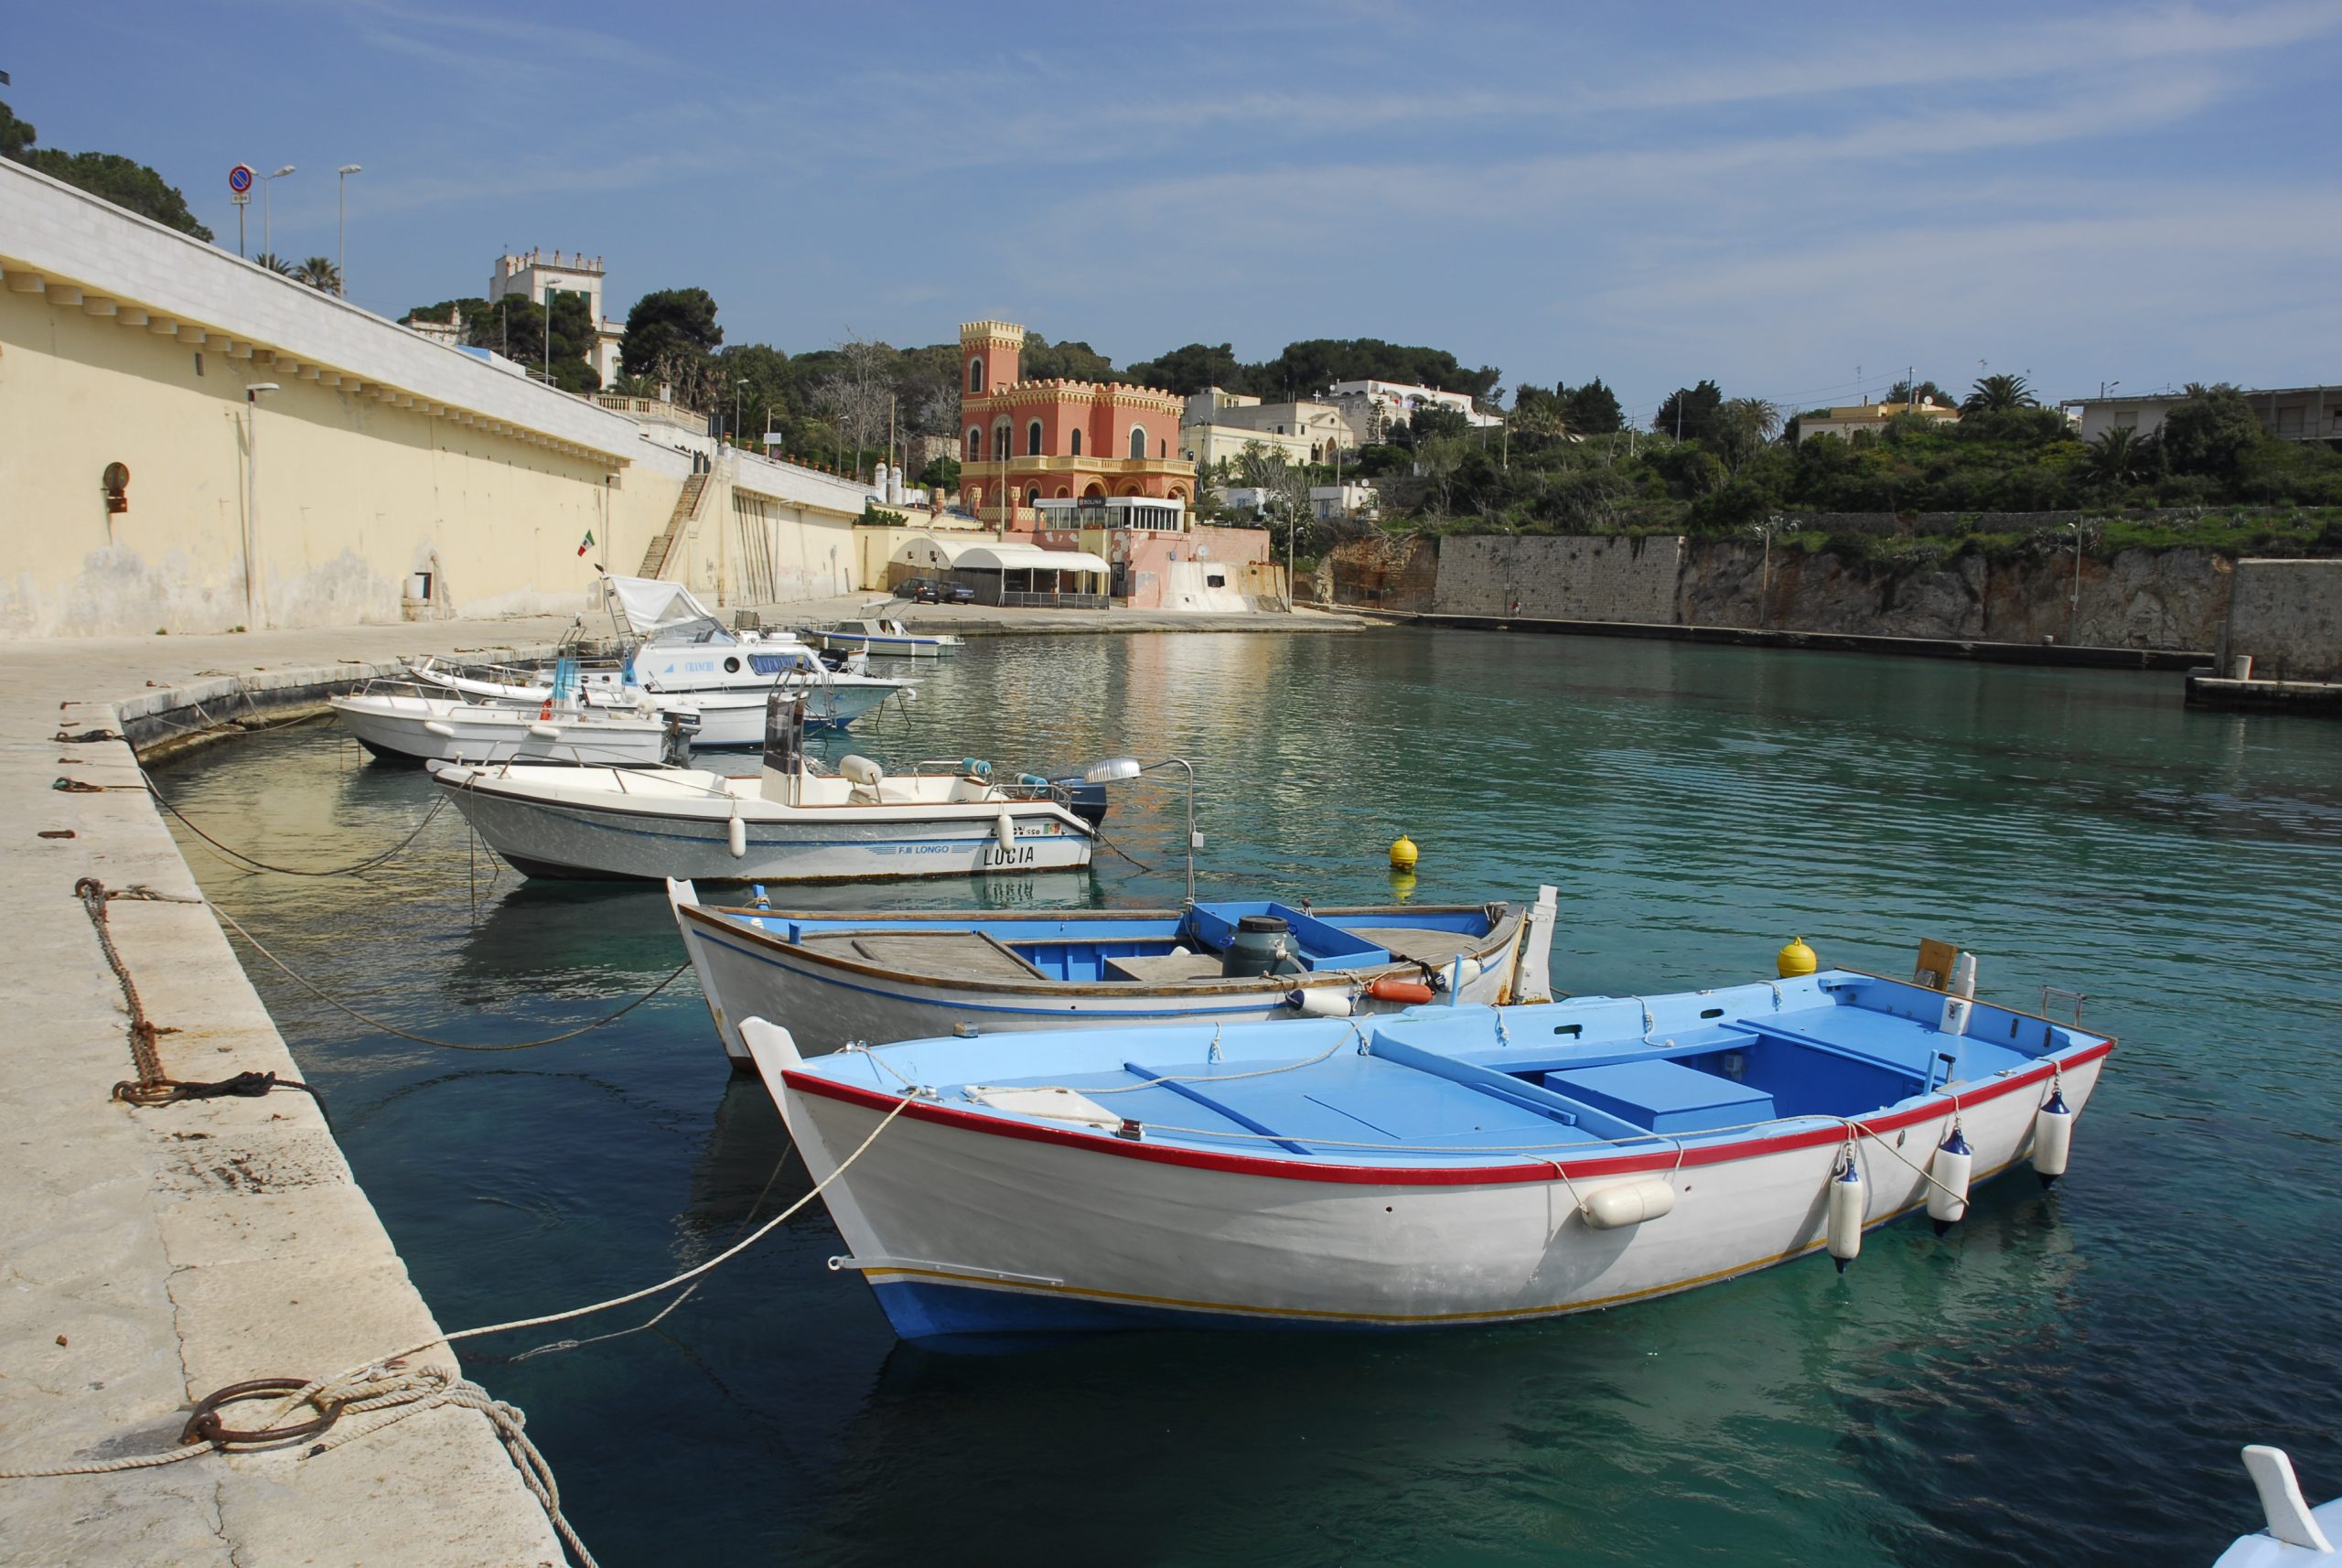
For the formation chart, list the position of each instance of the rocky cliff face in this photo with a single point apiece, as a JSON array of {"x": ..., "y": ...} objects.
[{"x": 2139, "y": 599}]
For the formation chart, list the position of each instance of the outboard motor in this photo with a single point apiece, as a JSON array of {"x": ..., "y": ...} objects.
[
  {"x": 675, "y": 740},
  {"x": 784, "y": 746},
  {"x": 1256, "y": 947}
]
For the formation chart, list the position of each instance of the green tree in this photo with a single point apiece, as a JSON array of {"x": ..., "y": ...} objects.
[
  {"x": 1999, "y": 395},
  {"x": 1592, "y": 409},
  {"x": 273, "y": 262},
  {"x": 2212, "y": 433},
  {"x": 1739, "y": 429},
  {"x": 125, "y": 182},
  {"x": 940, "y": 475},
  {"x": 1187, "y": 371},
  {"x": 671, "y": 336},
  {"x": 1689, "y": 411},
  {"x": 2118, "y": 457},
  {"x": 1437, "y": 421},
  {"x": 1904, "y": 392},
  {"x": 1043, "y": 362},
  {"x": 319, "y": 273},
  {"x": 15, "y": 135}
]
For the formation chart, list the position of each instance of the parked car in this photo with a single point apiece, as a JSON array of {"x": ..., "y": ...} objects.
[{"x": 933, "y": 591}]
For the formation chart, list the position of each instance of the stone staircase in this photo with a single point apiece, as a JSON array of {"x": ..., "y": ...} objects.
[{"x": 662, "y": 545}]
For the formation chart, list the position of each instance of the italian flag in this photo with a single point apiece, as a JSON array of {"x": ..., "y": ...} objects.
[{"x": 586, "y": 543}]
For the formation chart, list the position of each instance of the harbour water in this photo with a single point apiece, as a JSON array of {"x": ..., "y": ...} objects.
[{"x": 2065, "y": 1378}]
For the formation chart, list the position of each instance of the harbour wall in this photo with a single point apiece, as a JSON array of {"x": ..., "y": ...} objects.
[
  {"x": 2169, "y": 600},
  {"x": 386, "y": 477}
]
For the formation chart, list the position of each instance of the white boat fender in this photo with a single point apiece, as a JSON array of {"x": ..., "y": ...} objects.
[
  {"x": 861, "y": 771},
  {"x": 1948, "y": 1173},
  {"x": 544, "y": 731},
  {"x": 2053, "y": 1136},
  {"x": 1846, "y": 1206},
  {"x": 1460, "y": 972},
  {"x": 1325, "y": 1001},
  {"x": 1625, "y": 1202},
  {"x": 736, "y": 834},
  {"x": 442, "y": 730},
  {"x": 1004, "y": 828}
]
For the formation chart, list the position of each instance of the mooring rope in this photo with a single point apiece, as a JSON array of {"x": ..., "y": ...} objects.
[
  {"x": 387, "y": 1384},
  {"x": 254, "y": 862},
  {"x": 313, "y": 989}
]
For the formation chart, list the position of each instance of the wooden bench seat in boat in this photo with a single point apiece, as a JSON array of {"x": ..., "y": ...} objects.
[
  {"x": 1158, "y": 969},
  {"x": 943, "y": 955},
  {"x": 1418, "y": 944}
]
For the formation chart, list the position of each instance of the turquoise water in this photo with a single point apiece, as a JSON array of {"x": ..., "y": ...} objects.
[{"x": 2065, "y": 1378}]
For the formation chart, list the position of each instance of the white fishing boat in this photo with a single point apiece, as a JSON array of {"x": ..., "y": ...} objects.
[
  {"x": 1443, "y": 1165},
  {"x": 410, "y": 726},
  {"x": 2294, "y": 1535},
  {"x": 794, "y": 821},
  {"x": 881, "y": 637},
  {"x": 877, "y": 977}
]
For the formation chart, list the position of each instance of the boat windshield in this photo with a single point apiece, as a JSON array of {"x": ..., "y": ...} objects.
[{"x": 702, "y": 630}]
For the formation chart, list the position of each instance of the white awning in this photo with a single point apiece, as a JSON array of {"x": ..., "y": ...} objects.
[
  {"x": 1006, "y": 557},
  {"x": 650, "y": 605}
]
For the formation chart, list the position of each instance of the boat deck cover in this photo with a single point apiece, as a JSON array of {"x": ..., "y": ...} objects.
[
  {"x": 1419, "y": 944},
  {"x": 1160, "y": 969}
]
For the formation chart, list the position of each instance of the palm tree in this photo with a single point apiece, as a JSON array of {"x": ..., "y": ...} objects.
[
  {"x": 2118, "y": 456},
  {"x": 1998, "y": 394},
  {"x": 319, "y": 273},
  {"x": 273, "y": 262}
]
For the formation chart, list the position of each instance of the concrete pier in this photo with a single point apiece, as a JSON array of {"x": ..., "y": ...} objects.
[{"x": 153, "y": 1255}]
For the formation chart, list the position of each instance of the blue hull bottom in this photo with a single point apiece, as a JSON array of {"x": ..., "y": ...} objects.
[{"x": 926, "y": 1311}]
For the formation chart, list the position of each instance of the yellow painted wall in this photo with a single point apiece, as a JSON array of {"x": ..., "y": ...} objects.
[{"x": 353, "y": 494}]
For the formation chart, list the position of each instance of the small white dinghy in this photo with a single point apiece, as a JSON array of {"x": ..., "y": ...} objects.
[
  {"x": 881, "y": 638},
  {"x": 789, "y": 824},
  {"x": 410, "y": 726},
  {"x": 2296, "y": 1535}
]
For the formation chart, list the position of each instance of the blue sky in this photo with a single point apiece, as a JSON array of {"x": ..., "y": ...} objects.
[{"x": 1771, "y": 196}]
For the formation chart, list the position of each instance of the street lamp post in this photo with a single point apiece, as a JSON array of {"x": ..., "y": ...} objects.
[
  {"x": 267, "y": 243},
  {"x": 341, "y": 230},
  {"x": 253, "y": 606}
]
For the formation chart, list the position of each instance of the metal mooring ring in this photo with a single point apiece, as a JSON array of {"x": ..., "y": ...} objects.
[{"x": 205, "y": 1426}]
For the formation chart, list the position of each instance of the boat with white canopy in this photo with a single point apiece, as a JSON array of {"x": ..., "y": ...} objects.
[{"x": 1448, "y": 1164}]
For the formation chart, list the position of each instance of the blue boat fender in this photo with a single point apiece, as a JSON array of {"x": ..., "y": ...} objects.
[
  {"x": 2053, "y": 1135},
  {"x": 1847, "y": 1203},
  {"x": 1948, "y": 1173}
]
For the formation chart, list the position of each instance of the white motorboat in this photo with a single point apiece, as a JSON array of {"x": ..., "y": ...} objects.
[
  {"x": 881, "y": 638},
  {"x": 795, "y": 822},
  {"x": 832, "y": 977},
  {"x": 414, "y": 726},
  {"x": 685, "y": 657}
]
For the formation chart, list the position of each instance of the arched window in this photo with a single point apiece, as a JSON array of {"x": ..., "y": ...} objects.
[
  {"x": 1092, "y": 488},
  {"x": 975, "y": 372},
  {"x": 1138, "y": 441},
  {"x": 1064, "y": 494},
  {"x": 1001, "y": 450},
  {"x": 1162, "y": 447},
  {"x": 1077, "y": 443},
  {"x": 975, "y": 445},
  {"x": 1032, "y": 497},
  {"x": 1032, "y": 439}
]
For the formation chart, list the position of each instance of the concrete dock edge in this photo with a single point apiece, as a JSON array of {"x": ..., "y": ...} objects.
[{"x": 153, "y": 1255}]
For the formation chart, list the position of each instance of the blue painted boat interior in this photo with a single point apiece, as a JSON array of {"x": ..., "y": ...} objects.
[
  {"x": 1455, "y": 1083},
  {"x": 1078, "y": 947}
]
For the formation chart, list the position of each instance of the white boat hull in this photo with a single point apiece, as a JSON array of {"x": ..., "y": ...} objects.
[
  {"x": 594, "y": 832},
  {"x": 879, "y": 646},
  {"x": 964, "y": 1231},
  {"x": 727, "y": 717},
  {"x": 825, "y": 1006},
  {"x": 400, "y": 726}
]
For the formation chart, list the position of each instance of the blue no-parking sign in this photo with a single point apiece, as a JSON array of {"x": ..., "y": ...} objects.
[{"x": 240, "y": 179}]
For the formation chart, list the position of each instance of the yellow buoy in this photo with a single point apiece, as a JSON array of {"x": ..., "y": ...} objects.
[
  {"x": 1796, "y": 960},
  {"x": 1402, "y": 854}
]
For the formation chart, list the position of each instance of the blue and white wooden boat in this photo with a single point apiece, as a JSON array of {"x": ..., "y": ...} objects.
[
  {"x": 1442, "y": 1165},
  {"x": 833, "y": 977},
  {"x": 2296, "y": 1535}
]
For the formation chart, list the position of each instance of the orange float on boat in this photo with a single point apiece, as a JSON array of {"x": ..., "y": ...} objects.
[{"x": 1392, "y": 988}]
